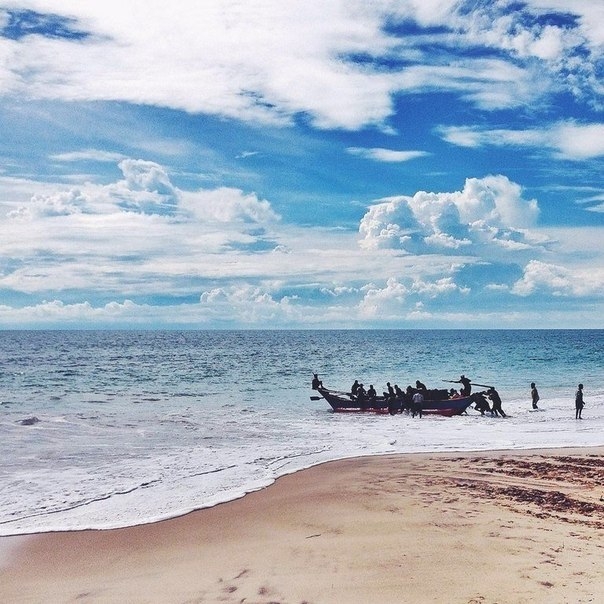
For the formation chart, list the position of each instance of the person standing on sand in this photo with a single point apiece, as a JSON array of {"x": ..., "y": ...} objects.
[
  {"x": 579, "y": 404},
  {"x": 534, "y": 395}
]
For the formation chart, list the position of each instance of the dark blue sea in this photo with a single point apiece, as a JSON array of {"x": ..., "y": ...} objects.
[{"x": 103, "y": 429}]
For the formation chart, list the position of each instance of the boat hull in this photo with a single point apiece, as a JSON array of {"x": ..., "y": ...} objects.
[{"x": 345, "y": 402}]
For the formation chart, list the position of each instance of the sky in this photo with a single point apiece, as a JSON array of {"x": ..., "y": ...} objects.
[{"x": 277, "y": 164}]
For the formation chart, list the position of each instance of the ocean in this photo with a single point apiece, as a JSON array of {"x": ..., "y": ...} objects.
[{"x": 104, "y": 429}]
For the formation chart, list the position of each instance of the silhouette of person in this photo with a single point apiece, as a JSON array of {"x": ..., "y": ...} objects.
[
  {"x": 417, "y": 404},
  {"x": 467, "y": 386},
  {"x": 480, "y": 402},
  {"x": 371, "y": 394},
  {"x": 579, "y": 403},
  {"x": 389, "y": 391},
  {"x": 496, "y": 400},
  {"x": 361, "y": 396},
  {"x": 534, "y": 395}
]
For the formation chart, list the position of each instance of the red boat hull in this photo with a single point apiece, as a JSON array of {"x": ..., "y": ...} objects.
[{"x": 343, "y": 402}]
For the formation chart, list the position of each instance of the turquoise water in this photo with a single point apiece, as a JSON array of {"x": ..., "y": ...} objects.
[{"x": 105, "y": 429}]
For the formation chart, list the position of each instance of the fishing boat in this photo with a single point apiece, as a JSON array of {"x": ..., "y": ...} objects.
[{"x": 436, "y": 402}]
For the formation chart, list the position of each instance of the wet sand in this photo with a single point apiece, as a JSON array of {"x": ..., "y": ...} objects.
[{"x": 487, "y": 527}]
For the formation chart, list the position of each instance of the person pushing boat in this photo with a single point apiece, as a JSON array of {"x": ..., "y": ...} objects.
[{"x": 496, "y": 402}]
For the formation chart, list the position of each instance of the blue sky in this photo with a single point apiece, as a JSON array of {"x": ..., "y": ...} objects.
[{"x": 296, "y": 164}]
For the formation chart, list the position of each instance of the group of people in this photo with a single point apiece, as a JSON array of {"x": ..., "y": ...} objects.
[
  {"x": 410, "y": 400},
  {"x": 481, "y": 403},
  {"x": 579, "y": 402},
  {"x": 413, "y": 398}
]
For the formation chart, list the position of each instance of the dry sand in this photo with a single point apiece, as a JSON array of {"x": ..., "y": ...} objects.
[{"x": 504, "y": 527}]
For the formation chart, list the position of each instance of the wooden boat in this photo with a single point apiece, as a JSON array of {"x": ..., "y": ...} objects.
[{"x": 436, "y": 402}]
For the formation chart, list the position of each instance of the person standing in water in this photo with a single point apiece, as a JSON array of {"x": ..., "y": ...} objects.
[
  {"x": 579, "y": 404},
  {"x": 496, "y": 402},
  {"x": 417, "y": 404},
  {"x": 534, "y": 395}
]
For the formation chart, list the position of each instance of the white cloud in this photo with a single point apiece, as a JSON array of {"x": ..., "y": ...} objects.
[
  {"x": 383, "y": 302},
  {"x": 579, "y": 141},
  {"x": 88, "y": 155},
  {"x": 590, "y": 13},
  {"x": 228, "y": 205},
  {"x": 254, "y": 62},
  {"x": 247, "y": 304},
  {"x": 597, "y": 208},
  {"x": 488, "y": 213},
  {"x": 567, "y": 140},
  {"x": 124, "y": 313},
  {"x": 60, "y": 204},
  {"x": 487, "y": 83},
  {"x": 541, "y": 277},
  {"x": 386, "y": 155},
  {"x": 132, "y": 235},
  {"x": 404, "y": 299},
  {"x": 437, "y": 288},
  {"x": 270, "y": 61}
]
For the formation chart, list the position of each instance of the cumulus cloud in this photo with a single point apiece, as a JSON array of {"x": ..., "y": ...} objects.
[
  {"x": 132, "y": 235},
  {"x": 228, "y": 205},
  {"x": 246, "y": 303},
  {"x": 63, "y": 203},
  {"x": 566, "y": 140},
  {"x": 402, "y": 298},
  {"x": 147, "y": 189},
  {"x": 385, "y": 301},
  {"x": 488, "y": 213},
  {"x": 559, "y": 281}
]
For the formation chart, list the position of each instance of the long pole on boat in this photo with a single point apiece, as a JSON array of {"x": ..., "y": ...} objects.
[{"x": 472, "y": 383}]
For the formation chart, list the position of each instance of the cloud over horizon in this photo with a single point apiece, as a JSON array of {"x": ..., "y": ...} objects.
[
  {"x": 487, "y": 213},
  {"x": 285, "y": 163}
]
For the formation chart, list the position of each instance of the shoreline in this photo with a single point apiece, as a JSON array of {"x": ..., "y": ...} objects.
[
  {"x": 428, "y": 527},
  {"x": 574, "y": 449}
]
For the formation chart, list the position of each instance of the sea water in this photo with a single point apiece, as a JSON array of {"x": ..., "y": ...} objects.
[{"x": 102, "y": 429}]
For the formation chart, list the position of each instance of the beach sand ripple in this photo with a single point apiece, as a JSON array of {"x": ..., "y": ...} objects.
[{"x": 475, "y": 528}]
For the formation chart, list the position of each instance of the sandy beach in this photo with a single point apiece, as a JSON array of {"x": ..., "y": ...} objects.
[{"x": 486, "y": 527}]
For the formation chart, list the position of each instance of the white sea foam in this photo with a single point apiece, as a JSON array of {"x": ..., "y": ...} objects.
[{"x": 118, "y": 453}]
